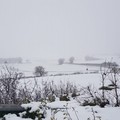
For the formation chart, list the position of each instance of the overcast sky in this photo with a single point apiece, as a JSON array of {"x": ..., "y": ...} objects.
[{"x": 59, "y": 28}]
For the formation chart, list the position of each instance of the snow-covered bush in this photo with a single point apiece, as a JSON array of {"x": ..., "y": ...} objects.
[
  {"x": 34, "y": 110},
  {"x": 64, "y": 97},
  {"x": 9, "y": 80}
]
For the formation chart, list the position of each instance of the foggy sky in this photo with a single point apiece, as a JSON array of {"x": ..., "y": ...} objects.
[{"x": 59, "y": 28}]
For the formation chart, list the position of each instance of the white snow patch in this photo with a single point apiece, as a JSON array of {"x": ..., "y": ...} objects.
[
  {"x": 33, "y": 105},
  {"x": 14, "y": 117}
]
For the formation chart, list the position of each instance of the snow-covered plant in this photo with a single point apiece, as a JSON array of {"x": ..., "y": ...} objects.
[
  {"x": 66, "y": 113},
  {"x": 89, "y": 96},
  {"x": 53, "y": 113},
  {"x": 111, "y": 75},
  {"x": 9, "y": 80},
  {"x": 34, "y": 110},
  {"x": 75, "y": 113},
  {"x": 94, "y": 116}
]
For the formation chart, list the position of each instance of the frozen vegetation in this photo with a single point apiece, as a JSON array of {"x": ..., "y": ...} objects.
[{"x": 64, "y": 92}]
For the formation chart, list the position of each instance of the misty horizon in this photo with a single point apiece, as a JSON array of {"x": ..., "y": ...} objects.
[{"x": 54, "y": 29}]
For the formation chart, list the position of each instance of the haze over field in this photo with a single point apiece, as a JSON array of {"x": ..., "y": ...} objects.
[{"x": 59, "y": 28}]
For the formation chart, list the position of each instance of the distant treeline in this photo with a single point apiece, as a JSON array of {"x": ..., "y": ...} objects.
[
  {"x": 90, "y": 58},
  {"x": 11, "y": 60}
]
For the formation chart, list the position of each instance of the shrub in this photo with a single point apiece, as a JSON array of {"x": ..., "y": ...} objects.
[
  {"x": 33, "y": 114},
  {"x": 34, "y": 110},
  {"x": 64, "y": 98}
]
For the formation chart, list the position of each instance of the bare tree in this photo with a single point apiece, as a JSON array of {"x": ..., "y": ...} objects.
[
  {"x": 40, "y": 71},
  {"x": 61, "y": 61},
  {"x": 71, "y": 60}
]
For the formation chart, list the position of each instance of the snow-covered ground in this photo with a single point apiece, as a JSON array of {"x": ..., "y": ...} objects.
[
  {"x": 73, "y": 111},
  {"x": 80, "y": 80},
  {"x": 51, "y": 65},
  {"x": 76, "y": 112},
  {"x": 83, "y": 113}
]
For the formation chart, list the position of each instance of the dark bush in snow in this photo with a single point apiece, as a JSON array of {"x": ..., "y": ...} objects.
[{"x": 64, "y": 98}]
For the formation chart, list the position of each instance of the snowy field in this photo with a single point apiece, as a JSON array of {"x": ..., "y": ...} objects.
[
  {"x": 76, "y": 112},
  {"x": 80, "y": 80},
  {"x": 52, "y": 67}
]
